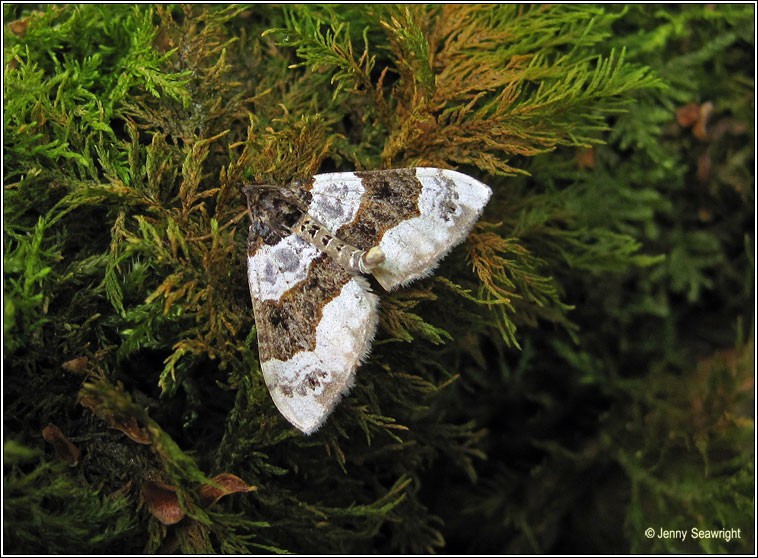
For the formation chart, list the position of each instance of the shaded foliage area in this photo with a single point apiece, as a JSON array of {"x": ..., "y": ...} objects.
[{"x": 580, "y": 370}]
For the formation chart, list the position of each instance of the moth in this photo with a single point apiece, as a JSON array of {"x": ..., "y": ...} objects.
[{"x": 311, "y": 245}]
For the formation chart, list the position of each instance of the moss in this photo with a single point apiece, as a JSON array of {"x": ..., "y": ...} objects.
[{"x": 576, "y": 372}]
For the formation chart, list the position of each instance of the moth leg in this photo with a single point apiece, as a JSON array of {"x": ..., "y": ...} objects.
[{"x": 348, "y": 256}]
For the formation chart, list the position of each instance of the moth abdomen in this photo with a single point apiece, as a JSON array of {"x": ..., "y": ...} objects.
[{"x": 350, "y": 257}]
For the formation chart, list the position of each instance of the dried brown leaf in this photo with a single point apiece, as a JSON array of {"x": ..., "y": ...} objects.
[
  {"x": 162, "y": 501},
  {"x": 64, "y": 449},
  {"x": 220, "y": 486}
]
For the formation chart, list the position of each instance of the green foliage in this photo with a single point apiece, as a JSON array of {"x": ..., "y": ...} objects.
[
  {"x": 24, "y": 295},
  {"x": 578, "y": 371},
  {"x": 47, "y": 508},
  {"x": 695, "y": 467},
  {"x": 431, "y": 117}
]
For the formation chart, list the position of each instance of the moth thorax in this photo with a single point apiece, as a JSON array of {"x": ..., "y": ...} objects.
[
  {"x": 371, "y": 258},
  {"x": 364, "y": 261}
]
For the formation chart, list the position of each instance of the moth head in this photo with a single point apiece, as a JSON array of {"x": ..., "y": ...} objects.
[
  {"x": 253, "y": 192},
  {"x": 273, "y": 209}
]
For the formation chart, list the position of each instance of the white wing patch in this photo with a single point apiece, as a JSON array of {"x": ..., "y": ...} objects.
[
  {"x": 336, "y": 198},
  {"x": 273, "y": 270},
  {"x": 449, "y": 205},
  {"x": 306, "y": 387}
]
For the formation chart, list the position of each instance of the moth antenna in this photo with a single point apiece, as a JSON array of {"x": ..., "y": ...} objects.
[{"x": 248, "y": 188}]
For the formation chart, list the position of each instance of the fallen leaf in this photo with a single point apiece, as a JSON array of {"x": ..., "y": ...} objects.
[
  {"x": 19, "y": 26},
  {"x": 688, "y": 114},
  {"x": 586, "y": 158},
  {"x": 162, "y": 502},
  {"x": 76, "y": 366},
  {"x": 64, "y": 449},
  {"x": 220, "y": 486}
]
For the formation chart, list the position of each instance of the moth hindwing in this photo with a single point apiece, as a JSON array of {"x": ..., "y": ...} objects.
[{"x": 308, "y": 245}]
